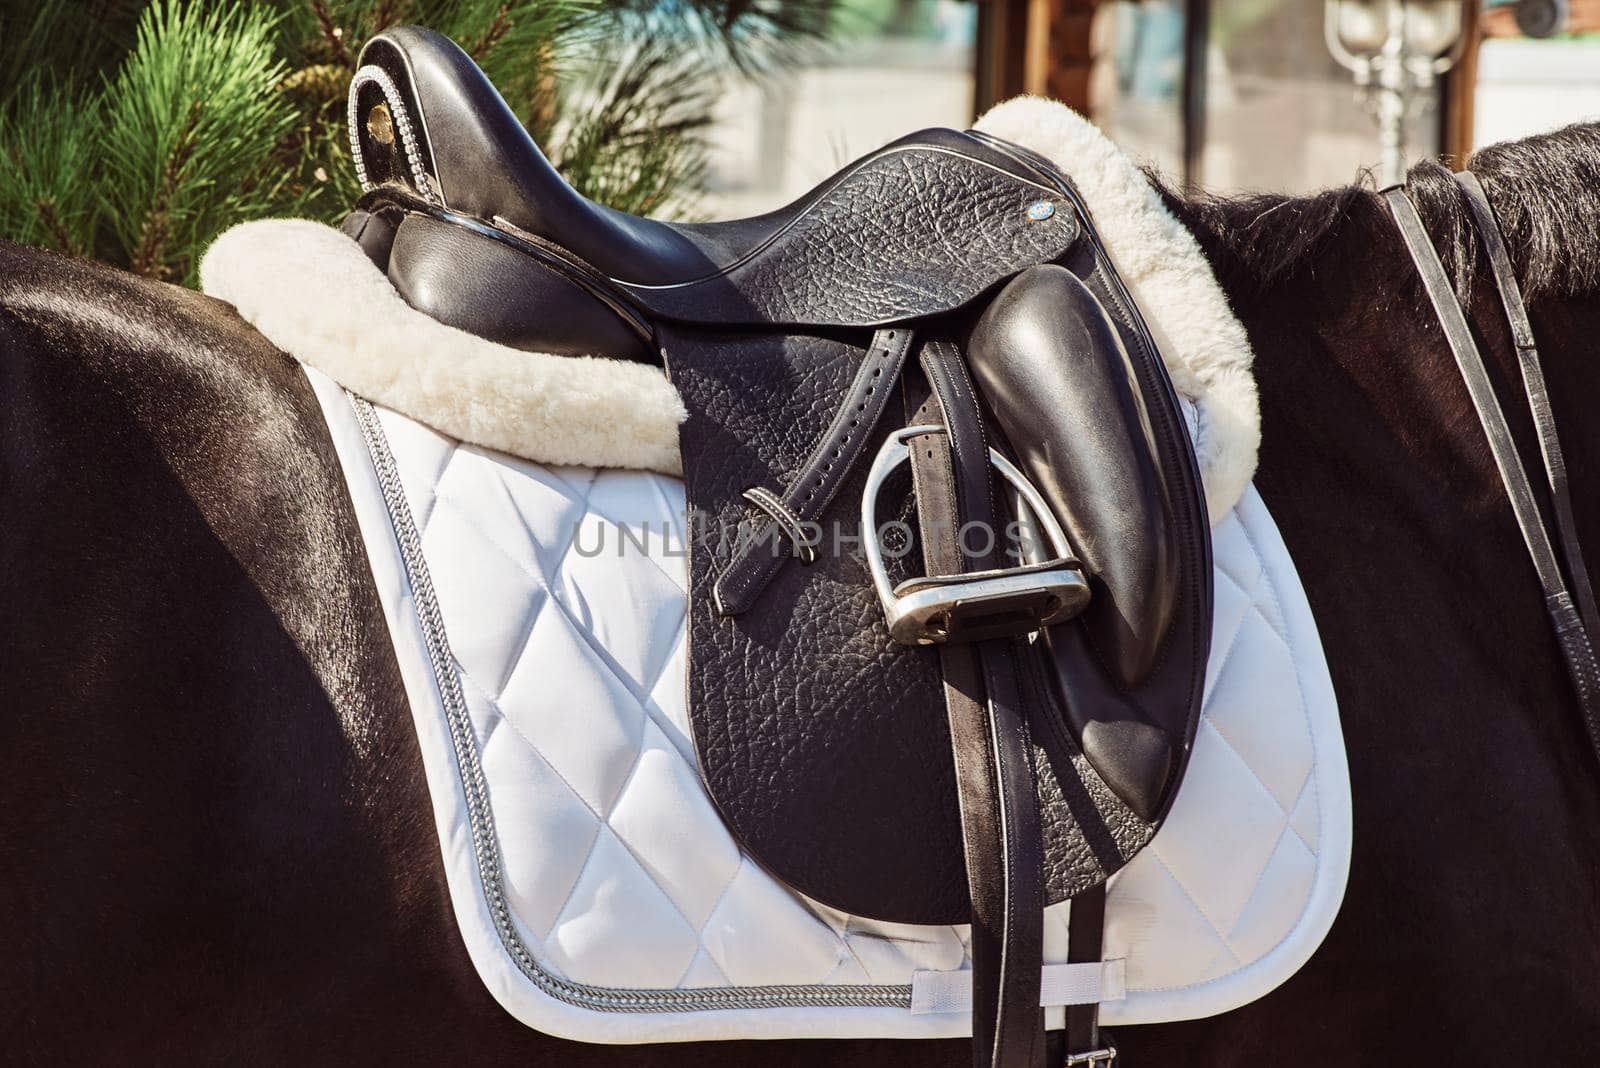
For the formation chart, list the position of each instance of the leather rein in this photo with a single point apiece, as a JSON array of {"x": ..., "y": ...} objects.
[{"x": 1574, "y": 622}]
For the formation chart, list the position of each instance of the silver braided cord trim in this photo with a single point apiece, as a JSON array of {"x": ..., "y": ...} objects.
[
  {"x": 485, "y": 842},
  {"x": 371, "y": 75}
]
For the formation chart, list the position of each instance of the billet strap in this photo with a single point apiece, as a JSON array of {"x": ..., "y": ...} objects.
[
  {"x": 1533, "y": 384},
  {"x": 993, "y": 753},
  {"x": 826, "y": 469},
  {"x": 1570, "y": 632},
  {"x": 1085, "y": 936}
]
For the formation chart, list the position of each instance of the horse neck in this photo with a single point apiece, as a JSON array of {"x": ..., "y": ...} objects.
[
  {"x": 1353, "y": 364},
  {"x": 1379, "y": 474}
]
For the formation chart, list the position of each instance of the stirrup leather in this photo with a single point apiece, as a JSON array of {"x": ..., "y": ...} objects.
[{"x": 975, "y": 605}]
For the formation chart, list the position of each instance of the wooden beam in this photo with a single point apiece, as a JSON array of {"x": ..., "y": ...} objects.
[
  {"x": 1002, "y": 48},
  {"x": 1196, "y": 39},
  {"x": 1458, "y": 91},
  {"x": 1060, "y": 53}
]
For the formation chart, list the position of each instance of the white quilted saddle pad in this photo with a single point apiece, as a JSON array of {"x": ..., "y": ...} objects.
[{"x": 594, "y": 885}]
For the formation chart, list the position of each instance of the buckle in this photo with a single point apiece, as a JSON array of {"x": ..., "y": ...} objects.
[
  {"x": 1098, "y": 1058},
  {"x": 975, "y": 605}
]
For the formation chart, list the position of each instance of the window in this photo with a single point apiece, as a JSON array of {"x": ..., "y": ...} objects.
[
  {"x": 1271, "y": 109},
  {"x": 1281, "y": 113},
  {"x": 1138, "y": 92},
  {"x": 893, "y": 66}
]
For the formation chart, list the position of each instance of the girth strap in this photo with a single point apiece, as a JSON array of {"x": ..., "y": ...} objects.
[
  {"x": 1087, "y": 1045},
  {"x": 989, "y": 736},
  {"x": 1571, "y": 634}
]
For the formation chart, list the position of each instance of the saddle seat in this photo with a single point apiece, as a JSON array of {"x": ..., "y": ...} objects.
[
  {"x": 904, "y": 233},
  {"x": 480, "y": 160}
]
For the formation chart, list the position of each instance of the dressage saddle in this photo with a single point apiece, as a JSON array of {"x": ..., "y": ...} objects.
[{"x": 950, "y": 574}]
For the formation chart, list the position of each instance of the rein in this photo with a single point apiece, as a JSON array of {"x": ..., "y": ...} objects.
[{"x": 1573, "y": 623}]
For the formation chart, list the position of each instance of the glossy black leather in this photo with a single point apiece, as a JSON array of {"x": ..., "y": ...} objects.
[
  {"x": 1059, "y": 382},
  {"x": 750, "y": 569},
  {"x": 486, "y": 165},
  {"x": 929, "y": 227},
  {"x": 811, "y": 682},
  {"x": 920, "y": 226},
  {"x": 489, "y": 289},
  {"x": 992, "y": 746}
]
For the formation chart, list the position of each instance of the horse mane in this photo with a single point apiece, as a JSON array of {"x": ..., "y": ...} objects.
[{"x": 1545, "y": 190}]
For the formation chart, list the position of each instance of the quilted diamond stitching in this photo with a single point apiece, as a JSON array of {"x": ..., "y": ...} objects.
[
  {"x": 1276, "y": 623},
  {"x": 610, "y": 742},
  {"x": 539, "y": 878},
  {"x": 586, "y": 488},
  {"x": 1218, "y": 722},
  {"x": 848, "y": 936},
  {"x": 1176, "y": 851},
  {"x": 1199, "y": 909}
]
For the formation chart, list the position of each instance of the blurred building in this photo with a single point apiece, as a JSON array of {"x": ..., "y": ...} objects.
[
  {"x": 1526, "y": 85},
  {"x": 1226, "y": 94}
]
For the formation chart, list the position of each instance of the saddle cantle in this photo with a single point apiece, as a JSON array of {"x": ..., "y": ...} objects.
[{"x": 950, "y": 577}]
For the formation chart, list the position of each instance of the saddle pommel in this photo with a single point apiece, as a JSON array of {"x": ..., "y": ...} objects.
[{"x": 424, "y": 117}]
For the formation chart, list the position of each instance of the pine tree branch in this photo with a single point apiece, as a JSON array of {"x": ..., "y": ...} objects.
[
  {"x": 332, "y": 35},
  {"x": 49, "y": 146},
  {"x": 229, "y": 111},
  {"x": 149, "y": 256},
  {"x": 53, "y": 226},
  {"x": 493, "y": 33},
  {"x": 383, "y": 16}
]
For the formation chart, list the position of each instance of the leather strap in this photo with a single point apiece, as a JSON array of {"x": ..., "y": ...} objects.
[
  {"x": 1533, "y": 384},
  {"x": 989, "y": 737},
  {"x": 1570, "y": 632},
  {"x": 754, "y": 562},
  {"x": 1085, "y": 937}
]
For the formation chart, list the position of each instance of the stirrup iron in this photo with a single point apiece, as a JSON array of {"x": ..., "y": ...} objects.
[{"x": 975, "y": 605}]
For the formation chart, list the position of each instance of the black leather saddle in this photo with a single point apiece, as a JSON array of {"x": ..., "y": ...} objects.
[{"x": 950, "y": 568}]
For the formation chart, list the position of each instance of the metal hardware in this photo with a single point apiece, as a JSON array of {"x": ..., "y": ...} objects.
[
  {"x": 380, "y": 125},
  {"x": 1099, "y": 1058},
  {"x": 1395, "y": 49},
  {"x": 1004, "y": 602}
]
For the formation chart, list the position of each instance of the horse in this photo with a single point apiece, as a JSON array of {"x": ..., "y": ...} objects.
[{"x": 215, "y": 840}]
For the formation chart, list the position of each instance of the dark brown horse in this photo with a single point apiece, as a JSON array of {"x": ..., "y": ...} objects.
[{"x": 215, "y": 837}]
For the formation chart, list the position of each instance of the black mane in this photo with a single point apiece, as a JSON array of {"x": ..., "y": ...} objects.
[{"x": 1543, "y": 188}]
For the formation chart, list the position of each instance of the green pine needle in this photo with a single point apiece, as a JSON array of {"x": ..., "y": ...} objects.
[
  {"x": 191, "y": 123},
  {"x": 633, "y": 137},
  {"x": 136, "y": 132},
  {"x": 51, "y": 138}
]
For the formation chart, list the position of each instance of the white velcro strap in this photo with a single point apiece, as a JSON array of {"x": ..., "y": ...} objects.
[{"x": 1088, "y": 983}]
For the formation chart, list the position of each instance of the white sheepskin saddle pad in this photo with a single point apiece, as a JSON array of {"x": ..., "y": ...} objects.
[{"x": 526, "y": 532}]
